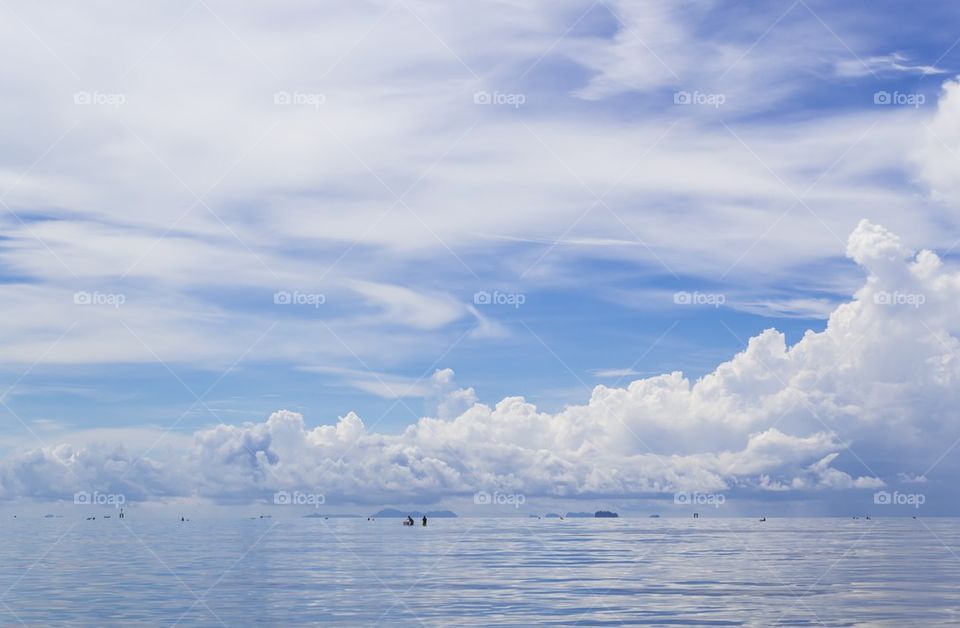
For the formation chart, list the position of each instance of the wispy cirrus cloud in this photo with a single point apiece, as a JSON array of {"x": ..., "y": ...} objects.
[{"x": 894, "y": 63}]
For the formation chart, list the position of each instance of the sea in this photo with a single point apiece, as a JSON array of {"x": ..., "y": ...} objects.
[{"x": 483, "y": 572}]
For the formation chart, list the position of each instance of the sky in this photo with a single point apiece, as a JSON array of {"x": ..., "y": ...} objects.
[{"x": 647, "y": 255}]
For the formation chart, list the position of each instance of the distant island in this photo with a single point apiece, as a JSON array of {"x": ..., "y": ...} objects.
[
  {"x": 605, "y": 514},
  {"x": 388, "y": 513},
  {"x": 552, "y": 515}
]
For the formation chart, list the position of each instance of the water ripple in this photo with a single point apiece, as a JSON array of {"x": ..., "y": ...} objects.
[{"x": 729, "y": 572}]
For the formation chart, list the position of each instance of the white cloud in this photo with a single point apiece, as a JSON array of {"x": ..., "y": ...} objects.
[
  {"x": 894, "y": 63},
  {"x": 787, "y": 307},
  {"x": 407, "y": 307},
  {"x": 938, "y": 151},
  {"x": 867, "y": 401},
  {"x": 384, "y": 385},
  {"x": 304, "y": 197},
  {"x": 616, "y": 372}
]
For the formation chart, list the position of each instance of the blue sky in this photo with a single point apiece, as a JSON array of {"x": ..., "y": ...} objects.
[{"x": 590, "y": 165}]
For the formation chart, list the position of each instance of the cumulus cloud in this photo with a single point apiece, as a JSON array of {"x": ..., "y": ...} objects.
[
  {"x": 939, "y": 148},
  {"x": 866, "y": 402}
]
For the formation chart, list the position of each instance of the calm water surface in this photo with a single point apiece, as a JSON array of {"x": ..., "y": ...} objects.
[{"x": 720, "y": 572}]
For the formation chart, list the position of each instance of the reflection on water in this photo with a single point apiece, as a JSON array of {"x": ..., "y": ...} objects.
[{"x": 901, "y": 572}]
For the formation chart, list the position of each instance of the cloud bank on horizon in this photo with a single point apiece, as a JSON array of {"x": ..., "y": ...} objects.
[{"x": 884, "y": 373}]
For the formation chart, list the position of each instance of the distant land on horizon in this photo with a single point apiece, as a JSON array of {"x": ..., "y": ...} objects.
[{"x": 600, "y": 514}]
